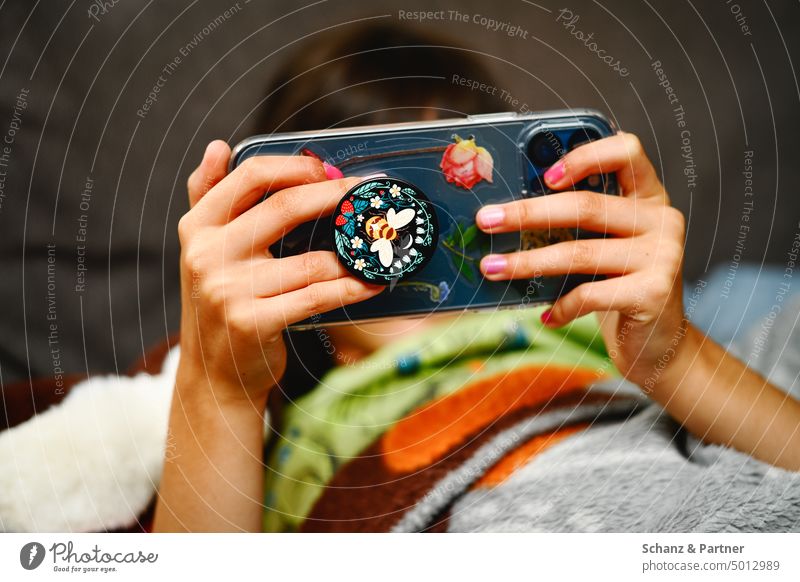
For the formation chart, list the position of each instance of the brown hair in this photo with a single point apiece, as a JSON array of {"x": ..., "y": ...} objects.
[{"x": 371, "y": 75}]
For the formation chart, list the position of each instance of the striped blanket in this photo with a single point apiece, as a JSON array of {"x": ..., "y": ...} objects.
[{"x": 495, "y": 423}]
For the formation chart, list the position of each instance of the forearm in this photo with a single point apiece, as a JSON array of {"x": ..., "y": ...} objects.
[
  {"x": 720, "y": 400},
  {"x": 213, "y": 473}
]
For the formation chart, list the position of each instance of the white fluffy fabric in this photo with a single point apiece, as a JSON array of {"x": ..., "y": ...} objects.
[{"x": 91, "y": 462}]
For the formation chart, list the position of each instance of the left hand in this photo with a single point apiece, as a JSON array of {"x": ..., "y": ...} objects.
[{"x": 640, "y": 300}]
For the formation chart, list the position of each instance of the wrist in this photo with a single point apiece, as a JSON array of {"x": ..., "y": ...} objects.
[
  {"x": 679, "y": 361},
  {"x": 199, "y": 388}
]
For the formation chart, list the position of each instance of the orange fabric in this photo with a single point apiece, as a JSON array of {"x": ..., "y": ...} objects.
[
  {"x": 431, "y": 431},
  {"x": 521, "y": 455}
]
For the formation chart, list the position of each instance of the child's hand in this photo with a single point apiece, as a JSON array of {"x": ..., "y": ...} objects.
[
  {"x": 642, "y": 295},
  {"x": 236, "y": 298}
]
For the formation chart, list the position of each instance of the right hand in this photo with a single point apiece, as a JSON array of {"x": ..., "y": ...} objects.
[{"x": 236, "y": 298}]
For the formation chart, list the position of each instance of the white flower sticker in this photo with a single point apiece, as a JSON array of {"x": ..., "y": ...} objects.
[
  {"x": 375, "y": 201},
  {"x": 356, "y": 242},
  {"x": 359, "y": 264},
  {"x": 394, "y": 190}
]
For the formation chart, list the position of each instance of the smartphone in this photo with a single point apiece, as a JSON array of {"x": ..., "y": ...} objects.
[{"x": 460, "y": 165}]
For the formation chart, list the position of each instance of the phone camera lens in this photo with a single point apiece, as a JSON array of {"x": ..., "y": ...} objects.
[
  {"x": 582, "y": 136},
  {"x": 545, "y": 149}
]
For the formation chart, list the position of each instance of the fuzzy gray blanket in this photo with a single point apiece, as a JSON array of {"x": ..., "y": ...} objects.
[{"x": 645, "y": 474}]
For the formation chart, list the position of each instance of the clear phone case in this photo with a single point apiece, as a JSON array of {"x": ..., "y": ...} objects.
[{"x": 460, "y": 165}]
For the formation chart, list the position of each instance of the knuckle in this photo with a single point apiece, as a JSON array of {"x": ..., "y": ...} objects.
[
  {"x": 194, "y": 257},
  {"x": 353, "y": 291},
  {"x": 251, "y": 165},
  {"x": 314, "y": 300},
  {"x": 281, "y": 207},
  {"x": 191, "y": 260},
  {"x": 240, "y": 322},
  {"x": 676, "y": 220},
  {"x": 672, "y": 254},
  {"x": 580, "y": 295},
  {"x": 523, "y": 212},
  {"x": 659, "y": 287},
  {"x": 633, "y": 145},
  {"x": 589, "y": 205},
  {"x": 214, "y": 292},
  {"x": 582, "y": 255},
  {"x": 313, "y": 265},
  {"x": 185, "y": 228}
]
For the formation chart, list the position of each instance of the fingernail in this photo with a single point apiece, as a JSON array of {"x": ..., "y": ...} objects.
[
  {"x": 332, "y": 172},
  {"x": 555, "y": 173},
  {"x": 490, "y": 216},
  {"x": 546, "y": 316},
  {"x": 373, "y": 176},
  {"x": 493, "y": 264}
]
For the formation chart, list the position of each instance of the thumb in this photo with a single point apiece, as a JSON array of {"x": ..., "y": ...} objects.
[{"x": 211, "y": 170}]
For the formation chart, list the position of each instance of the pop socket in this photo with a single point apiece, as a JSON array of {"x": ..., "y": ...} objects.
[{"x": 384, "y": 230}]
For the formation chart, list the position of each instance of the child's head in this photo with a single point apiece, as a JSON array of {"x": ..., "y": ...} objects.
[{"x": 370, "y": 75}]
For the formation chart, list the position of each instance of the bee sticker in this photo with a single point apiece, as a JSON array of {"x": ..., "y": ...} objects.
[{"x": 384, "y": 230}]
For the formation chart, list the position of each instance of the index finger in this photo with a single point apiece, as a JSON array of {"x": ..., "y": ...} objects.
[
  {"x": 622, "y": 154},
  {"x": 581, "y": 209},
  {"x": 244, "y": 186}
]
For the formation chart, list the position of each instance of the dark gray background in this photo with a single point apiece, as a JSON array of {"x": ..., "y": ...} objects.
[{"x": 87, "y": 79}]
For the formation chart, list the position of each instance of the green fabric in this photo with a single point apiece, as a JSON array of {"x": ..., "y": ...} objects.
[{"x": 354, "y": 405}]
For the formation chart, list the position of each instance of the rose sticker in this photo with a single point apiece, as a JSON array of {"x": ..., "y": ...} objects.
[{"x": 465, "y": 163}]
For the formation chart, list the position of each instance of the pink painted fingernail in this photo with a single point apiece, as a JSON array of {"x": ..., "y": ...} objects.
[
  {"x": 490, "y": 216},
  {"x": 493, "y": 264},
  {"x": 546, "y": 316},
  {"x": 555, "y": 173},
  {"x": 332, "y": 172}
]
